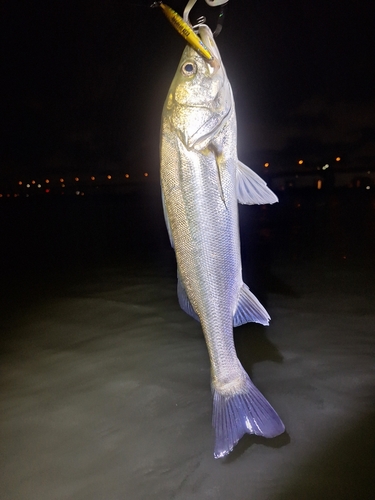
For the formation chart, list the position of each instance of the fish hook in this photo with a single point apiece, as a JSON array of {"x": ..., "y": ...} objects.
[{"x": 212, "y": 3}]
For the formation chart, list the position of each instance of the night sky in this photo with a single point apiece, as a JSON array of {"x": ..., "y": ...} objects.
[{"x": 84, "y": 81}]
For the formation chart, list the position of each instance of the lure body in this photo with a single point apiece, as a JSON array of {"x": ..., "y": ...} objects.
[{"x": 185, "y": 30}]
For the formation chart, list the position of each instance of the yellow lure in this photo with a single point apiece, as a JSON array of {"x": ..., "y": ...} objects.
[{"x": 185, "y": 31}]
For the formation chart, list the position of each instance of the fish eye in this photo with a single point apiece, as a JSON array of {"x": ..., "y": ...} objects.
[{"x": 189, "y": 68}]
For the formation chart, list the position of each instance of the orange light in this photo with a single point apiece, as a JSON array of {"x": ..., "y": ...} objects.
[
  {"x": 47, "y": 181},
  {"x": 76, "y": 179},
  {"x": 109, "y": 177},
  {"x": 266, "y": 165},
  {"x": 20, "y": 183},
  {"x": 145, "y": 174},
  {"x": 127, "y": 176},
  {"x": 319, "y": 184},
  {"x": 1, "y": 195},
  {"x": 32, "y": 182},
  {"x": 92, "y": 178},
  {"x": 300, "y": 162},
  {"x": 338, "y": 158},
  {"x": 61, "y": 180}
]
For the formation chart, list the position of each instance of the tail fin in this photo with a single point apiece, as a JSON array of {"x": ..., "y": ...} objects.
[{"x": 246, "y": 412}]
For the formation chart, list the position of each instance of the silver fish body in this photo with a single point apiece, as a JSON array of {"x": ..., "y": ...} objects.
[{"x": 202, "y": 181}]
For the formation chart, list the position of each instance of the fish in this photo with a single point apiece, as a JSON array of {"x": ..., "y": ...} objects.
[{"x": 202, "y": 181}]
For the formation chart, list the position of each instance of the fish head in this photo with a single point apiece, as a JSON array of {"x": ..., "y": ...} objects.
[{"x": 200, "y": 98}]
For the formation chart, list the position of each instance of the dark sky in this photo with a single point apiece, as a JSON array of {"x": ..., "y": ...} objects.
[{"x": 84, "y": 81}]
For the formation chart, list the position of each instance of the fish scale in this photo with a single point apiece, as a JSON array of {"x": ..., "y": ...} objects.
[{"x": 202, "y": 181}]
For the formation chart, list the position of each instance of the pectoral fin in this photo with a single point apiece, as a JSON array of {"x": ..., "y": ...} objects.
[{"x": 251, "y": 189}]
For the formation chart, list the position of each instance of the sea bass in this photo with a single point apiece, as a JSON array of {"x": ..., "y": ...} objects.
[{"x": 202, "y": 181}]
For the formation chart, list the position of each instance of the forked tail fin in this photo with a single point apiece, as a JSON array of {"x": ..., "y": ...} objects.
[{"x": 246, "y": 412}]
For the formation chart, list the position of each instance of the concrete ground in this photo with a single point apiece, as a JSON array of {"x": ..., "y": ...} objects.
[{"x": 105, "y": 391}]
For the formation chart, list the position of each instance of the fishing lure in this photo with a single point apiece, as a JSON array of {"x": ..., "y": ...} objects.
[{"x": 185, "y": 30}]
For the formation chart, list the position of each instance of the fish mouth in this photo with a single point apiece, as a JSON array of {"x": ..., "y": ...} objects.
[{"x": 207, "y": 38}]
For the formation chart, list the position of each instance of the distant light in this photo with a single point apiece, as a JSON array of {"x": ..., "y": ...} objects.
[
  {"x": 82, "y": 194},
  {"x": 127, "y": 176},
  {"x": 47, "y": 190},
  {"x": 145, "y": 174},
  {"x": 344, "y": 257},
  {"x": 20, "y": 183},
  {"x": 367, "y": 187},
  {"x": 27, "y": 185},
  {"x": 63, "y": 185},
  {"x": 325, "y": 166},
  {"x": 266, "y": 165},
  {"x": 92, "y": 178},
  {"x": 1, "y": 195},
  {"x": 15, "y": 195},
  {"x": 8, "y": 195},
  {"x": 47, "y": 181},
  {"x": 319, "y": 184},
  {"x": 76, "y": 179},
  {"x": 78, "y": 193},
  {"x": 39, "y": 185},
  {"x": 369, "y": 172},
  {"x": 300, "y": 162},
  {"x": 61, "y": 180},
  {"x": 338, "y": 158},
  {"x": 109, "y": 177},
  {"x": 32, "y": 182}
]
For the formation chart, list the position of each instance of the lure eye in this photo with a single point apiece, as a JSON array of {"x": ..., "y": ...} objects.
[{"x": 189, "y": 68}]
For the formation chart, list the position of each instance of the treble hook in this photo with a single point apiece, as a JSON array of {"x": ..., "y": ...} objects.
[{"x": 212, "y": 3}]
